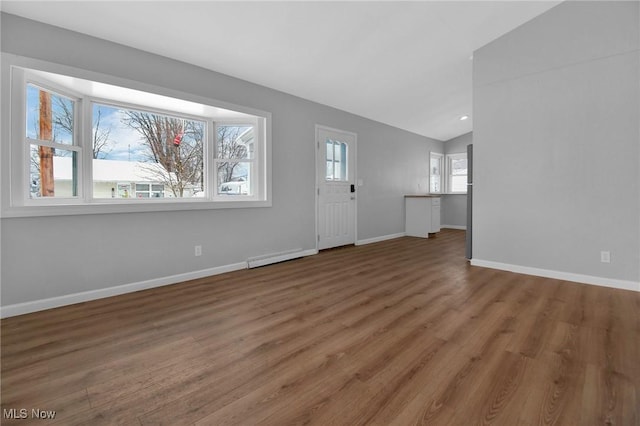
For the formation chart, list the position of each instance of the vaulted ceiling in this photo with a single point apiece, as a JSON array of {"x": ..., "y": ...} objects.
[{"x": 407, "y": 64}]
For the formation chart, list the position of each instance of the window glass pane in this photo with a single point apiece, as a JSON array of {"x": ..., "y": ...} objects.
[
  {"x": 329, "y": 175},
  {"x": 142, "y": 186},
  {"x": 342, "y": 175},
  {"x": 458, "y": 183},
  {"x": 336, "y": 161},
  {"x": 336, "y": 166},
  {"x": 234, "y": 141},
  {"x": 435, "y": 166},
  {"x": 157, "y": 187},
  {"x": 329, "y": 150},
  {"x": 459, "y": 166},
  {"x": 435, "y": 183},
  {"x": 53, "y": 172},
  {"x": 131, "y": 145},
  {"x": 50, "y": 117},
  {"x": 234, "y": 178},
  {"x": 435, "y": 173}
]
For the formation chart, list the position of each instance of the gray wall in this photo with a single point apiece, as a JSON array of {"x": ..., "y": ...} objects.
[
  {"x": 459, "y": 144},
  {"x": 556, "y": 142},
  {"x": 454, "y": 206},
  {"x": 52, "y": 256}
]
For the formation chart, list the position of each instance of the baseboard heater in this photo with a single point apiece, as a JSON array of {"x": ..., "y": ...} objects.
[{"x": 268, "y": 259}]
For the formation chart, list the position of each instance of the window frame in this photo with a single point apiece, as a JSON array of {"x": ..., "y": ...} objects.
[
  {"x": 75, "y": 146},
  {"x": 15, "y": 201},
  {"x": 256, "y": 160},
  {"x": 343, "y": 162},
  {"x": 91, "y": 101},
  {"x": 449, "y": 171}
]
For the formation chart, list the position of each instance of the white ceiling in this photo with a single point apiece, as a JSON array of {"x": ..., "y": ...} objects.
[{"x": 407, "y": 64}]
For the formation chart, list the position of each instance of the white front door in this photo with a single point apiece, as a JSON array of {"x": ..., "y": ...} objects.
[{"x": 336, "y": 187}]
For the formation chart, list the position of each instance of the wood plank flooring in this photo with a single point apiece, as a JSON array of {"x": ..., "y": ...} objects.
[{"x": 402, "y": 332}]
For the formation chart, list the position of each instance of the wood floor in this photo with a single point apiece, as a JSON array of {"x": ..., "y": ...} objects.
[{"x": 401, "y": 332}]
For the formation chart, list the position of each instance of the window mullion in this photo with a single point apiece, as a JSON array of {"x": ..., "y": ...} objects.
[
  {"x": 259, "y": 182},
  {"x": 51, "y": 144},
  {"x": 211, "y": 165},
  {"x": 85, "y": 126}
]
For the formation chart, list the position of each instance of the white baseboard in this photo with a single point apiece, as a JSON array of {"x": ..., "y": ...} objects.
[
  {"x": 463, "y": 228},
  {"x": 268, "y": 259},
  {"x": 566, "y": 276},
  {"x": 381, "y": 238},
  {"x": 85, "y": 296}
]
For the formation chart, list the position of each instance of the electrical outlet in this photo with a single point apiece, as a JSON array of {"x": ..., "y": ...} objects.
[
  {"x": 605, "y": 257},
  {"x": 198, "y": 251}
]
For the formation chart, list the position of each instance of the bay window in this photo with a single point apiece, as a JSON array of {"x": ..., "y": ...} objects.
[{"x": 84, "y": 143}]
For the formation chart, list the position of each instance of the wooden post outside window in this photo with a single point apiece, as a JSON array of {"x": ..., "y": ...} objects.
[{"x": 46, "y": 153}]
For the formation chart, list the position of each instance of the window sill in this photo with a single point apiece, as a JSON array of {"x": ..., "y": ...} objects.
[
  {"x": 127, "y": 207},
  {"x": 447, "y": 193}
]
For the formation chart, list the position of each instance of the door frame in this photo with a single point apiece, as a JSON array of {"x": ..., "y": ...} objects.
[{"x": 316, "y": 143}]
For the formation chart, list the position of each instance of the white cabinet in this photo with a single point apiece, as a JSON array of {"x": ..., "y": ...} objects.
[
  {"x": 435, "y": 214},
  {"x": 422, "y": 215}
]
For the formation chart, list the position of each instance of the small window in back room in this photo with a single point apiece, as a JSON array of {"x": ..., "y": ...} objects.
[
  {"x": 435, "y": 173},
  {"x": 457, "y": 173}
]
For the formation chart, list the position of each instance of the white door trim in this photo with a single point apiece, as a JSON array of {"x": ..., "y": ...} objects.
[{"x": 316, "y": 142}]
